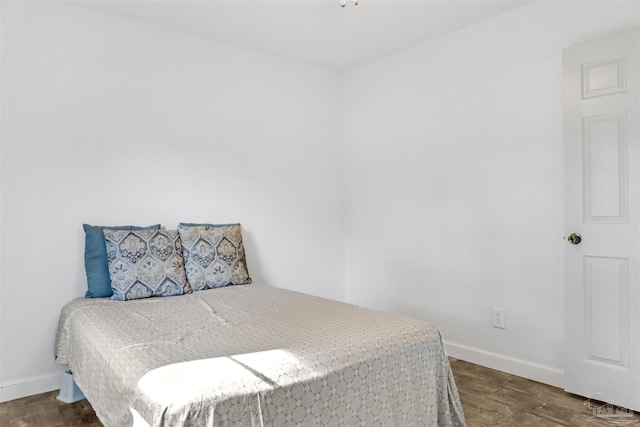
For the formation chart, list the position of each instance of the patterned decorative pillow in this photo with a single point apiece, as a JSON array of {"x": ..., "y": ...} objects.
[
  {"x": 213, "y": 255},
  {"x": 145, "y": 263},
  {"x": 95, "y": 259}
]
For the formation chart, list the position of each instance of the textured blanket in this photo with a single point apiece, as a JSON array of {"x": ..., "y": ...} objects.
[{"x": 255, "y": 355}]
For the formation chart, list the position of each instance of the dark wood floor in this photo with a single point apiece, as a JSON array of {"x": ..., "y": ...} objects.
[{"x": 489, "y": 398}]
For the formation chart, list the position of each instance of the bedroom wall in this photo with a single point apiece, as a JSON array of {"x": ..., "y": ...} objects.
[
  {"x": 111, "y": 121},
  {"x": 454, "y": 182}
]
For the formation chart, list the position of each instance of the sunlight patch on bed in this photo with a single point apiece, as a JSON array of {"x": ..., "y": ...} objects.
[{"x": 180, "y": 383}]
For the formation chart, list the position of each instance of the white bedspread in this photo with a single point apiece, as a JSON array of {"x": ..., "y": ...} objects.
[{"x": 255, "y": 355}]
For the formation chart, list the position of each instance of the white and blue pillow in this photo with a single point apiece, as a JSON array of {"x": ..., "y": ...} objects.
[
  {"x": 145, "y": 263},
  {"x": 213, "y": 255}
]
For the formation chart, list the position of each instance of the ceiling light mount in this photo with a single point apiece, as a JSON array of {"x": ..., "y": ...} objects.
[{"x": 343, "y": 3}]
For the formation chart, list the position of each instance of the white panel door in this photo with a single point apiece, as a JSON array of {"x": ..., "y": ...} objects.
[{"x": 602, "y": 192}]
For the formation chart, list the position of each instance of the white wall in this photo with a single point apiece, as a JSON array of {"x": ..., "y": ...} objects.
[
  {"x": 454, "y": 182},
  {"x": 109, "y": 121},
  {"x": 448, "y": 191}
]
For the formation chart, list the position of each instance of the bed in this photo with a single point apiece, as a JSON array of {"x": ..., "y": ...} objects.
[{"x": 254, "y": 355}]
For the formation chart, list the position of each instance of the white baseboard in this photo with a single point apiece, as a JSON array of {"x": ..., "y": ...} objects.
[
  {"x": 522, "y": 368},
  {"x": 29, "y": 386}
]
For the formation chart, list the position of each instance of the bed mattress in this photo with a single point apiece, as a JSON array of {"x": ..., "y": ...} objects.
[{"x": 255, "y": 355}]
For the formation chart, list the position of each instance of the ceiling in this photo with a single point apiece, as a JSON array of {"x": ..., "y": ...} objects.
[{"x": 319, "y": 32}]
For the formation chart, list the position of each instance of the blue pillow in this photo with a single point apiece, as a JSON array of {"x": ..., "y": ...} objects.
[{"x": 95, "y": 259}]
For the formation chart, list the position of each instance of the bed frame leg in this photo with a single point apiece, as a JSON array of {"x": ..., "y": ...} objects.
[{"x": 69, "y": 390}]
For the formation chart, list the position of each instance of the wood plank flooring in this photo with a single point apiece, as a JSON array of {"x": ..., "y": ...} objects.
[
  {"x": 490, "y": 399},
  {"x": 44, "y": 410}
]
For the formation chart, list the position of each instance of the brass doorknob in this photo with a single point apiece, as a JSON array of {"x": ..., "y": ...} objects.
[{"x": 574, "y": 238}]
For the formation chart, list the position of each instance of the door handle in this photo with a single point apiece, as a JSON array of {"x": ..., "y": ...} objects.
[{"x": 574, "y": 238}]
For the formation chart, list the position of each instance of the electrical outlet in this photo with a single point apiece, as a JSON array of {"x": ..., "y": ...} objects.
[{"x": 498, "y": 317}]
